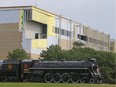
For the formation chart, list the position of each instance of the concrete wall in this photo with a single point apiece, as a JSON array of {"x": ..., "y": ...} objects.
[
  {"x": 10, "y": 38},
  {"x": 113, "y": 46},
  {"x": 96, "y": 39}
]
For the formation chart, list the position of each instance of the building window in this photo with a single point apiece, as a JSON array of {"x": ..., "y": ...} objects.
[
  {"x": 28, "y": 14},
  {"x": 65, "y": 32},
  {"x": 82, "y": 37},
  {"x": 68, "y": 33},
  {"x": 62, "y": 32},
  {"x": 36, "y": 36},
  {"x": 56, "y": 30},
  {"x": 111, "y": 48}
]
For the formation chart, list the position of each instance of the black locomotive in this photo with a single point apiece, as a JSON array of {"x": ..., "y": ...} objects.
[{"x": 50, "y": 71}]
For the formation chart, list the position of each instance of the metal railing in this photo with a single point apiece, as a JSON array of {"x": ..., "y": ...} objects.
[{"x": 42, "y": 36}]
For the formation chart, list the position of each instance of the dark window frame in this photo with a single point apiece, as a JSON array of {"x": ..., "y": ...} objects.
[{"x": 36, "y": 35}]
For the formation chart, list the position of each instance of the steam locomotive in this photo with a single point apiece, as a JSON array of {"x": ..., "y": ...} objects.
[{"x": 50, "y": 71}]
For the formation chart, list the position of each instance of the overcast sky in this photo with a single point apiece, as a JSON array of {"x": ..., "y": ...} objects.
[{"x": 98, "y": 14}]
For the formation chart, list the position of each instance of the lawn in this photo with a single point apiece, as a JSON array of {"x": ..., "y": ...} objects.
[{"x": 53, "y": 85}]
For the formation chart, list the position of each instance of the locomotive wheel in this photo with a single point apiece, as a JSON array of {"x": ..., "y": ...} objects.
[
  {"x": 74, "y": 78},
  {"x": 25, "y": 80},
  {"x": 99, "y": 81},
  {"x": 57, "y": 78},
  {"x": 65, "y": 78},
  {"x": 48, "y": 78},
  {"x": 92, "y": 80},
  {"x": 82, "y": 80},
  {"x": 31, "y": 79}
]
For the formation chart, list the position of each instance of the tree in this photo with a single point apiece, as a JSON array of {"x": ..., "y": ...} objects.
[
  {"x": 54, "y": 52},
  {"x": 18, "y": 54},
  {"x": 106, "y": 60}
]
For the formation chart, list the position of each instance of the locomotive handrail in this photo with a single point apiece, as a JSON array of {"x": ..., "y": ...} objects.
[{"x": 55, "y": 68}]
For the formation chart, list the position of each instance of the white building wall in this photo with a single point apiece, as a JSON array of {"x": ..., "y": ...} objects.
[
  {"x": 27, "y": 45},
  {"x": 80, "y": 29},
  {"x": 65, "y": 24},
  {"x": 32, "y": 28},
  {"x": 52, "y": 40},
  {"x": 57, "y": 21}
]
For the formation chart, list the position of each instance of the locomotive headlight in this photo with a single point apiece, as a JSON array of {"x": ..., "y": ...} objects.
[
  {"x": 25, "y": 66},
  {"x": 10, "y": 66}
]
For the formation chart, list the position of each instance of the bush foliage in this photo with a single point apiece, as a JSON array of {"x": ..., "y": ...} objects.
[
  {"x": 18, "y": 54},
  {"x": 106, "y": 60}
]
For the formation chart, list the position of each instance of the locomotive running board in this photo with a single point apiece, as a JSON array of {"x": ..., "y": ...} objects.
[{"x": 57, "y": 68}]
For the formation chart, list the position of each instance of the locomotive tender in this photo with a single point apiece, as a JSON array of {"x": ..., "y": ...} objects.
[{"x": 50, "y": 71}]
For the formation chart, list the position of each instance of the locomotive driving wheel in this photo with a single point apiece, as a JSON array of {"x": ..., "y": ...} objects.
[
  {"x": 92, "y": 80},
  {"x": 48, "y": 77},
  {"x": 74, "y": 78},
  {"x": 31, "y": 79},
  {"x": 99, "y": 81},
  {"x": 57, "y": 77},
  {"x": 65, "y": 78},
  {"x": 25, "y": 80},
  {"x": 82, "y": 80}
]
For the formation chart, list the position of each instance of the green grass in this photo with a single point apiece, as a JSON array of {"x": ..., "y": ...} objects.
[{"x": 53, "y": 85}]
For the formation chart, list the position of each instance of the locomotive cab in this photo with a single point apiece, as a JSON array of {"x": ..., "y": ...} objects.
[{"x": 25, "y": 66}]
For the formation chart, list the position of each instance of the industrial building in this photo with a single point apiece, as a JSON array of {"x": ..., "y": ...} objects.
[
  {"x": 34, "y": 29},
  {"x": 113, "y": 45},
  {"x": 96, "y": 39}
]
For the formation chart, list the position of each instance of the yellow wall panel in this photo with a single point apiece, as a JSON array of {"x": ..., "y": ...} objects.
[
  {"x": 42, "y": 11},
  {"x": 44, "y": 17},
  {"x": 51, "y": 24},
  {"x": 39, "y": 17},
  {"x": 39, "y": 43}
]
